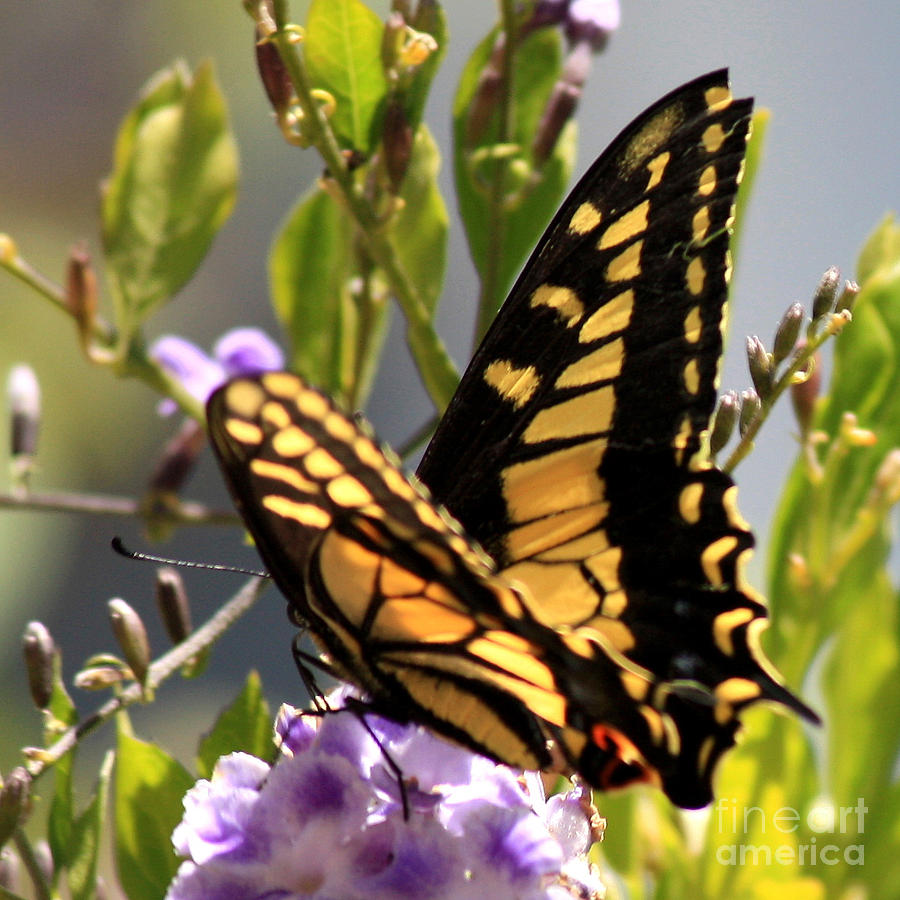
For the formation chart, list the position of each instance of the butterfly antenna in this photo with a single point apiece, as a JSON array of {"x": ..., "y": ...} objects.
[{"x": 122, "y": 550}]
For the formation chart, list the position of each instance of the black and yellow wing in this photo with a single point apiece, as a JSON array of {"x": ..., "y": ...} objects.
[
  {"x": 585, "y": 478},
  {"x": 609, "y": 612},
  {"x": 401, "y": 602}
]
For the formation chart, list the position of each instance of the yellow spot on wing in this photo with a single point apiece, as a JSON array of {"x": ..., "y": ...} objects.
[
  {"x": 561, "y": 299},
  {"x": 689, "y": 502},
  {"x": 584, "y": 414},
  {"x": 700, "y": 225},
  {"x": 585, "y": 218},
  {"x": 627, "y": 264},
  {"x": 244, "y": 432},
  {"x": 512, "y": 384},
  {"x": 724, "y": 625},
  {"x": 718, "y": 97},
  {"x": 657, "y": 166},
  {"x": 696, "y": 276},
  {"x": 731, "y": 692},
  {"x": 244, "y": 398},
  {"x": 600, "y": 365},
  {"x": 307, "y": 514},
  {"x": 729, "y": 502},
  {"x": 713, "y": 137},
  {"x": 691, "y": 376},
  {"x": 321, "y": 464},
  {"x": 712, "y": 557},
  {"x": 274, "y": 413},
  {"x": 340, "y": 427},
  {"x": 576, "y": 549},
  {"x": 627, "y": 226},
  {"x": 614, "y": 604},
  {"x": 312, "y": 404},
  {"x": 292, "y": 442},
  {"x": 286, "y": 474},
  {"x": 693, "y": 325},
  {"x": 707, "y": 183},
  {"x": 282, "y": 384},
  {"x": 345, "y": 490},
  {"x": 610, "y": 318}
]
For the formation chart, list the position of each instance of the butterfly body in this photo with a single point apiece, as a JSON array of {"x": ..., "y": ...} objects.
[{"x": 574, "y": 570}]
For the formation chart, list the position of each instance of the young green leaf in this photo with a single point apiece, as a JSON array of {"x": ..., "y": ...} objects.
[
  {"x": 172, "y": 186},
  {"x": 245, "y": 725},
  {"x": 310, "y": 267},
  {"x": 87, "y": 835},
  {"x": 150, "y": 786},
  {"x": 343, "y": 55}
]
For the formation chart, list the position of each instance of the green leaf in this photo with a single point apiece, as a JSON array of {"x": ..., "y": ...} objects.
[
  {"x": 881, "y": 249},
  {"x": 245, "y": 725},
  {"x": 430, "y": 18},
  {"x": 343, "y": 56},
  {"x": 310, "y": 267},
  {"x": 172, "y": 187},
  {"x": 419, "y": 231},
  {"x": 150, "y": 786},
  {"x": 87, "y": 836},
  {"x": 835, "y": 602},
  {"x": 500, "y": 234},
  {"x": 61, "y": 821}
]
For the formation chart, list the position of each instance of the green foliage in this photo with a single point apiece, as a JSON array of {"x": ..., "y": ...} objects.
[
  {"x": 173, "y": 185},
  {"x": 149, "y": 788},
  {"x": 343, "y": 54},
  {"x": 245, "y": 725}
]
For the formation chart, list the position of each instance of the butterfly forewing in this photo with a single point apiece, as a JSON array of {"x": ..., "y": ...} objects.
[{"x": 402, "y": 603}]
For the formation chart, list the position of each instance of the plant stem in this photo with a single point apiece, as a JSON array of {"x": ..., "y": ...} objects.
[
  {"x": 159, "y": 671},
  {"x": 435, "y": 366}
]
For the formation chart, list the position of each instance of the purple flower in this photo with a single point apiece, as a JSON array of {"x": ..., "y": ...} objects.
[
  {"x": 326, "y": 822},
  {"x": 241, "y": 351}
]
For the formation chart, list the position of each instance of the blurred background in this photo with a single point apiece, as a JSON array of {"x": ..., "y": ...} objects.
[{"x": 70, "y": 70}]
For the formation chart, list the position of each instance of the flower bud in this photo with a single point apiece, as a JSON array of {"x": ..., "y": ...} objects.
[
  {"x": 98, "y": 678},
  {"x": 826, "y": 293},
  {"x": 848, "y": 297},
  {"x": 81, "y": 293},
  {"x": 40, "y": 654},
  {"x": 174, "y": 607},
  {"x": 274, "y": 76},
  {"x": 787, "y": 333},
  {"x": 132, "y": 637},
  {"x": 177, "y": 459},
  {"x": 24, "y": 397},
  {"x": 13, "y": 801},
  {"x": 397, "y": 140},
  {"x": 805, "y": 391},
  {"x": 10, "y": 865},
  {"x": 760, "y": 365},
  {"x": 750, "y": 407},
  {"x": 725, "y": 419}
]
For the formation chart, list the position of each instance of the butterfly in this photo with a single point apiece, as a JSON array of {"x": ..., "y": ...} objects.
[{"x": 562, "y": 582}]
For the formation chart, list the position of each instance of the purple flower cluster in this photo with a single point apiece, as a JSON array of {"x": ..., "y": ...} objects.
[
  {"x": 583, "y": 20},
  {"x": 241, "y": 351},
  {"x": 327, "y": 822}
]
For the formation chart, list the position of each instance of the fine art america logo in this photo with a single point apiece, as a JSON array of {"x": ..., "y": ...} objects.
[{"x": 826, "y": 835}]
